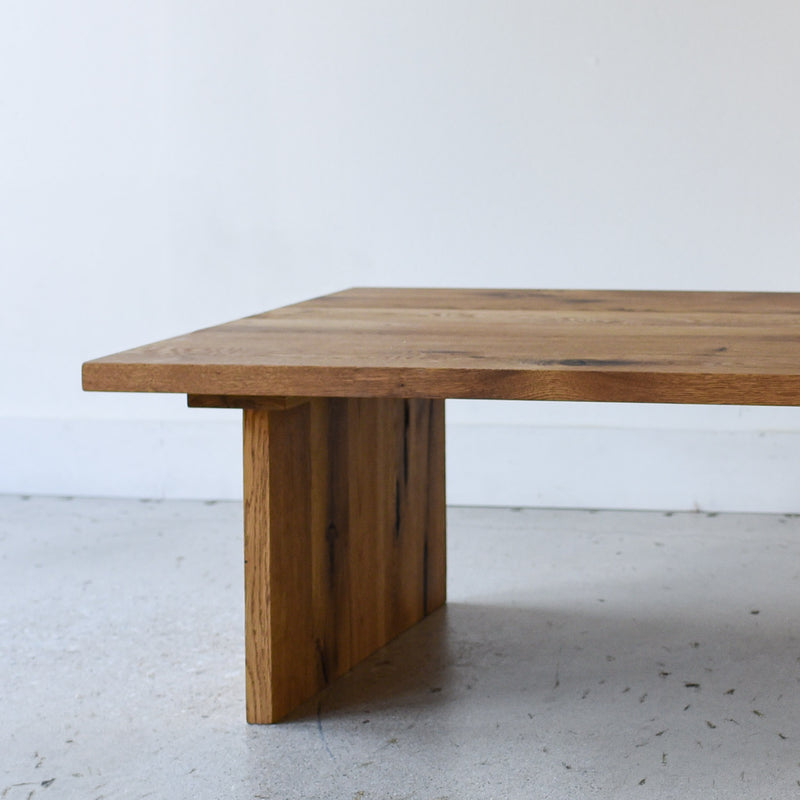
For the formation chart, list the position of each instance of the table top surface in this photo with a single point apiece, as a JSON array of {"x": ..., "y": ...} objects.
[{"x": 638, "y": 346}]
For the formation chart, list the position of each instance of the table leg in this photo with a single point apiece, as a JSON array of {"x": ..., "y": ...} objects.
[{"x": 344, "y": 509}]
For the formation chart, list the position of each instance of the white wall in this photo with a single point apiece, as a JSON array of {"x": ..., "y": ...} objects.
[{"x": 168, "y": 165}]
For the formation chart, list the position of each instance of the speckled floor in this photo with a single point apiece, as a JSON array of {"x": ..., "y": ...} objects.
[{"x": 609, "y": 654}]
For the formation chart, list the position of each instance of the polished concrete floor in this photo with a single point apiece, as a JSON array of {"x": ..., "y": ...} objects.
[{"x": 582, "y": 655}]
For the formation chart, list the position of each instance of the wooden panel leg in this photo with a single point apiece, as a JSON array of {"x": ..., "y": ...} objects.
[{"x": 344, "y": 538}]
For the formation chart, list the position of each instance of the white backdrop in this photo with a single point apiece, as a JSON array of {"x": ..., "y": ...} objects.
[{"x": 168, "y": 165}]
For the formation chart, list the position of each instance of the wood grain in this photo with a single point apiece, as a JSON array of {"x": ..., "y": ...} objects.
[
  {"x": 676, "y": 347},
  {"x": 344, "y": 538}
]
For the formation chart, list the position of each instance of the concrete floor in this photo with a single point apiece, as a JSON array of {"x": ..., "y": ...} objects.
[{"x": 610, "y": 654}]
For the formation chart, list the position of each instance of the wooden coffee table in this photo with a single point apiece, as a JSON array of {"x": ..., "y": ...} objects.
[{"x": 343, "y": 398}]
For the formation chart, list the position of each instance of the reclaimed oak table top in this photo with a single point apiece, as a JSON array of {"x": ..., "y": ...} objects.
[
  {"x": 344, "y": 436},
  {"x": 637, "y": 346}
]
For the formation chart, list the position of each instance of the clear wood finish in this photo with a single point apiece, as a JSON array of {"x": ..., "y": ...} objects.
[
  {"x": 344, "y": 538},
  {"x": 344, "y": 432},
  {"x": 678, "y": 347}
]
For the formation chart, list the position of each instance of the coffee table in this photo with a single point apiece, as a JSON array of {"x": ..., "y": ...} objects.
[{"x": 344, "y": 452}]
